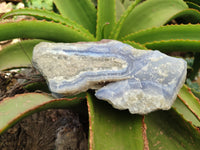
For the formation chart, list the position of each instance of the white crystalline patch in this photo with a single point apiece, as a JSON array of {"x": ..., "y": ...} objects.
[
  {"x": 137, "y": 101},
  {"x": 70, "y": 67},
  {"x": 140, "y": 102},
  {"x": 154, "y": 59},
  {"x": 137, "y": 53},
  {"x": 139, "y": 80}
]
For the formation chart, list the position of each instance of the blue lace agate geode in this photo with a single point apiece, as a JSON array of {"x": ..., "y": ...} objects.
[{"x": 138, "y": 80}]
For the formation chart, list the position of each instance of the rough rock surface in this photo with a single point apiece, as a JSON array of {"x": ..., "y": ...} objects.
[
  {"x": 141, "y": 81},
  {"x": 74, "y": 68},
  {"x": 154, "y": 85}
]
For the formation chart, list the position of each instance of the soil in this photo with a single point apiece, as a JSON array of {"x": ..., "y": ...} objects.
[
  {"x": 47, "y": 130},
  {"x": 14, "y": 82}
]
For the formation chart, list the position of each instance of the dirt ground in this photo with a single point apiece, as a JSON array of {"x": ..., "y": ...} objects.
[{"x": 47, "y": 130}]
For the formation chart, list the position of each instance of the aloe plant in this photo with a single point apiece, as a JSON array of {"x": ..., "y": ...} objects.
[{"x": 143, "y": 24}]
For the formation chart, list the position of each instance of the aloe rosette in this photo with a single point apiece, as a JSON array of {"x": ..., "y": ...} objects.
[{"x": 143, "y": 24}]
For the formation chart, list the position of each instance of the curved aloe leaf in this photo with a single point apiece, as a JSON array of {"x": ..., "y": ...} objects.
[
  {"x": 14, "y": 56},
  {"x": 151, "y": 13},
  {"x": 106, "y": 15},
  {"x": 195, "y": 87},
  {"x": 43, "y": 14},
  {"x": 197, "y": 94},
  {"x": 170, "y": 32},
  {"x": 135, "y": 45},
  {"x": 192, "y": 102},
  {"x": 119, "y": 9},
  {"x": 83, "y": 12},
  {"x": 42, "y": 30},
  {"x": 113, "y": 129},
  {"x": 193, "y": 5},
  {"x": 197, "y": 2},
  {"x": 195, "y": 66},
  {"x": 187, "y": 16},
  {"x": 117, "y": 27},
  {"x": 168, "y": 130},
  {"x": 15, "y": 108},
  {"x": 180, "y": 107},
  {"x": 47, "y": 15},
  {"x": 127, "y": 3},
  {"x": 174, "y": 45}
]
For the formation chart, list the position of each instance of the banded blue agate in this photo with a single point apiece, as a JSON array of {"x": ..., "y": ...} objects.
[
  {"x": 74, "y": 68},
  {"x": 138, "y": 80},
  {"x": 155, "y": 83}
]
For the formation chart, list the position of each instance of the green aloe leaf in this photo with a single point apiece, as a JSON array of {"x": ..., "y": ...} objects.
[
  {"x": 47, "y": 15},
  {"x": 195, "y": 66},
  {"x": 193, "y": 5},
  {"x": 117, "y": 27},
  {"x": 83, "y": 12},
  {"x": 113, "y": 129},
  {"x": 41, "y": 4},
  {"x": 192, "y": 102},
  {"x": 174, "y": 45},
  {"x": 167, "y": 130},
  {"x": 42, "y": 14},
  {"x": 14, "y": 56},
  {"x": 119, "y": 9},
  {"x": 197, "y": 2},
  {"x": 106, "y": 15},
  {"x": 195, "y": 87},
  {"x": 127, "y": 3},
  {"x": 105, "y": 18},
  {"x": 197, "y": 94},
  {"x": 42, "y": 30},
  {"x": 16, "y": 108},
  {"x": 151, "y": 13},
  {"x": 170, "y": 32},
  {"x": 135, "y": 45},
  {"x": 181, "y": 108},
  {"x": 187, "y": 16}
]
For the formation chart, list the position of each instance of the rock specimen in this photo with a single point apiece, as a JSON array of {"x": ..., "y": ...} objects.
[
  {"x": 138, "y": 80},
  {"x": 74, "y": 68}
]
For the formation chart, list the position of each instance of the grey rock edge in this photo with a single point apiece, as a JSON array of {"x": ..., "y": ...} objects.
[{"x": 138, "y": 80}]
